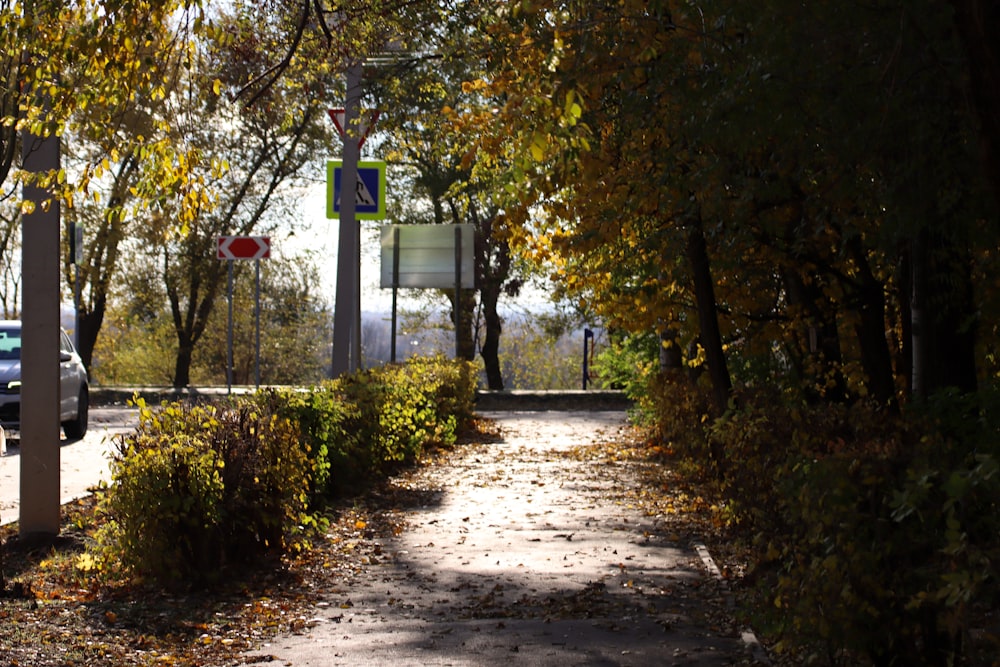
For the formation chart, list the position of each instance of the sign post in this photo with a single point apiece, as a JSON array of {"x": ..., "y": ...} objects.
[
  {"x": 232, "y": 248},
  {"x": 346, "y": 355}
]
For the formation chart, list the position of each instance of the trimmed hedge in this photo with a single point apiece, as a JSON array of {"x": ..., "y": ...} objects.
[{"x": 198, "y": 488}]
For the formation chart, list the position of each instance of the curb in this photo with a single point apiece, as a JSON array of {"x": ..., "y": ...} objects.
[
  {"x": 485, "y": 400},
  {"x": 757, "y": 651},
  {"x": 556, "y": 399}
]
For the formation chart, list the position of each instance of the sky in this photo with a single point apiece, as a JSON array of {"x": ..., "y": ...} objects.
[{"x": 317, "y": 233}]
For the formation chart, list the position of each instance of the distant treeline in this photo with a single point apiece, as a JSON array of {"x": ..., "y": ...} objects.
[{"x": 536, "y": 351}]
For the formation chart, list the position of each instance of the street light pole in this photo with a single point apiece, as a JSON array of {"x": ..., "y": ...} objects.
[
  {"x": 39, "y": 509},
  {"x": 347, "y": 309}
]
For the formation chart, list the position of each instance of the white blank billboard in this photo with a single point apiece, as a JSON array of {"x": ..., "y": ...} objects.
[{"x": 427, "y": 255}]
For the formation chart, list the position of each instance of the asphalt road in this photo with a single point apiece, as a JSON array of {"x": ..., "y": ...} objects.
[{"x": 84, "y": 463}]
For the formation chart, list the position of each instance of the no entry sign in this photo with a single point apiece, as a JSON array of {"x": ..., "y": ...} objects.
[{"x": 244, "y": 247}]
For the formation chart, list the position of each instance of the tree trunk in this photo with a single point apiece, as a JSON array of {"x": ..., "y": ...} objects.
[
  {"x": 465, "y": 341},
  {"x": 904, "y": 294},
  {"x": 493, "y": 267},
  {"x": 182, "y": 365},
  {"x": 670, "y": 351},
  {"x": 822, "y": 336},
  {"x": 102, "y": 259},
  {"x": 875, "y": 356},
  {"x": 89, "y": 328},
  {"x": 708, "y": 318},
  {"x": 490, "y": 350}
]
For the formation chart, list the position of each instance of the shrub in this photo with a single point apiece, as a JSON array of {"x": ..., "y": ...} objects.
[
  {"x": 398, "y": 411},
  {"x": 875, "y": 534},
  {"x": 676, "y": 410},
  {"x": 628, "y": 363},
  {"x": 450, "y": 384},
  {"x": 197, "y": 488},
  {"x": 320, "y": 414}
]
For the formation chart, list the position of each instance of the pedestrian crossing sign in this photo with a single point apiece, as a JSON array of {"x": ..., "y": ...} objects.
[{"x": 369, "y": 201}]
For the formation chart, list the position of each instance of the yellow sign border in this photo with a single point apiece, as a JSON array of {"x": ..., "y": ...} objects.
[{"x": 331, "y": 168}]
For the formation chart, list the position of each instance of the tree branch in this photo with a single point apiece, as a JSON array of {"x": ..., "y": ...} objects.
[{"x": 267, "y": 79}]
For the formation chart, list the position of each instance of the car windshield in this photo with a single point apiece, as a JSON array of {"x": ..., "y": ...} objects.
[{"x": 10, "y": 343}]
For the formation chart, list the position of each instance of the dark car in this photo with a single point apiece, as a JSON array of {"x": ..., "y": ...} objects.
[{"x": 74, "y": 396}]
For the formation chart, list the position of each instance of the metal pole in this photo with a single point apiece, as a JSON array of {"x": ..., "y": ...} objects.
[
  {"x": 347, "y": 309},
  {"x": 257, "y": 325},
  {"x": 395, "y": 289},
  {"x": 458, "y": 292},
  {"x": 229, "y": 335},
  {"x": 76, "y": 232},
  {"x": 357, "y": 363}
]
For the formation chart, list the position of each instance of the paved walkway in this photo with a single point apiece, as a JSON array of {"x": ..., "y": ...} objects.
[{"x": 522, "y": 552}]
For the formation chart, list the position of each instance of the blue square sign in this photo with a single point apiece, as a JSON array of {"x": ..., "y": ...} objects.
[{"x": 370, "y": 199}]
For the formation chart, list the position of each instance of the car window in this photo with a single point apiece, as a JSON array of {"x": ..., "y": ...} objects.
[
  {"x": 10, "y": 343},
  {"x": 64, "y": 343}
]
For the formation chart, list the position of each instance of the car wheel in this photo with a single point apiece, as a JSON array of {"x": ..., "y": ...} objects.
[{"x": 75, "y": 429}]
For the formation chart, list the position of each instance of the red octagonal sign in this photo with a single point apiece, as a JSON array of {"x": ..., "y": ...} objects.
[{"x": 244, "y": 247}]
